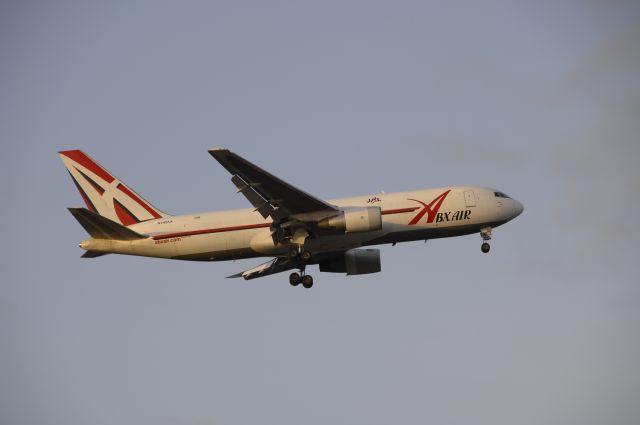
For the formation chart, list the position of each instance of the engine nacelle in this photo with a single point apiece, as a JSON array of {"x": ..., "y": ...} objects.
[
  {"x": 354, "y": 219},
  {"x": 354, "y": 261}
]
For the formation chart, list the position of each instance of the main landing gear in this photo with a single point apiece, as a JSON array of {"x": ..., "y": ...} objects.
[
  {"x": 485, "y": 233},
  {"x": 303, "y": 257},
  {"x": 296, "y": 278}
]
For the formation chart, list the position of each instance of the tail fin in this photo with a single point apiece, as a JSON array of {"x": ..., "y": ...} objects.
[
  {"x": 104, "y": 194},
  {"x": 100, "y": 227}
]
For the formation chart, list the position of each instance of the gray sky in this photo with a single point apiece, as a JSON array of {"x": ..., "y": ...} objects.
[{"x": 540, "y": 99}]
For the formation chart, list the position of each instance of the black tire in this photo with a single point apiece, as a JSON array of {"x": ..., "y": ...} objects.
[
  {"x": 485, "y": 247},
  {"x": 293, "y": 253},
  {"x": 306, "y": 256},
  {"x": 294, "y": 279},
  {"x": 307, "y": 281}
]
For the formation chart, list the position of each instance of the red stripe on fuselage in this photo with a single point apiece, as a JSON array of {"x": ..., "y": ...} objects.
[
  {"x": 399, "y": 211},
  {"x": 206, "y": 231},
  {"x": 82, "y": 159},
  {"x": 251, "y": 226}
]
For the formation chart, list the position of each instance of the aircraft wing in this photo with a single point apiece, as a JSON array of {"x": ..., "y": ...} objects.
[{"x": 270, "y": 196}]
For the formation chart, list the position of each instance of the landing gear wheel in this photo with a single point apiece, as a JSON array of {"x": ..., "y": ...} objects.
[
  {"x": 293, "y": 253},
  {"x": 294, "y": 279},
  {"x": 307, "y": 281},
  {"x": 305, "y": 256},
  {"x": 485, "y": 233}
]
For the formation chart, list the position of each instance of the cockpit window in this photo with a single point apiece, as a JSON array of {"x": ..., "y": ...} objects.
[{"x": 500, "y": 195}]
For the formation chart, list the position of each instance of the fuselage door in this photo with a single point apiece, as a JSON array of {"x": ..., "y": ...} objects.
[{"x": 469, "y": 198}]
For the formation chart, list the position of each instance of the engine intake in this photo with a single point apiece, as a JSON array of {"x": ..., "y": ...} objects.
[{"x": 354, "y": 219}]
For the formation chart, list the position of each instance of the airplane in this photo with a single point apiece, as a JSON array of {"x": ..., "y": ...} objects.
[{"x": 293, "y": 227}]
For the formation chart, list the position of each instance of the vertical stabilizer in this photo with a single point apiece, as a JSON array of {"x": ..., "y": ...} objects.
[{"x": 104, "y": 194}]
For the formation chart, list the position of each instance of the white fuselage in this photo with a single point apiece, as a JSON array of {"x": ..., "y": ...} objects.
[{"x": 236, "y": 234}]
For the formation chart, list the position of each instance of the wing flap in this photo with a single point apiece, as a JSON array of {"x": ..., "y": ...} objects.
[
  {"x": 277, "y": 265},
  {"x": 262, "y": 205}
]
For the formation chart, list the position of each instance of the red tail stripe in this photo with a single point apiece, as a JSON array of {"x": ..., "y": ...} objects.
[
  {"x": 125, "y": 216},
  {"x": 143, "y": 204},
  {"x": 82, "y": 159},
  {"x": 86, "y": 199},
  {"x": 95, "y": 185}
]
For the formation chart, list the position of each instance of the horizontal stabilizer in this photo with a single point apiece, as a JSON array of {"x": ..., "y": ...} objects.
[
  {"x": 100, "y": 227},
  {"x": 93, "y": 254}
]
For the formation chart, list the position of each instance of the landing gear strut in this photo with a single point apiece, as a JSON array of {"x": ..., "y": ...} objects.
[
  {"x": 485, "y": 233},
  {"x": 304, "y": 255}
]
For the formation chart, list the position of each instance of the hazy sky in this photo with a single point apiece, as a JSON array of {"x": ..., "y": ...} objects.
[{"x": 540, "y": 99}]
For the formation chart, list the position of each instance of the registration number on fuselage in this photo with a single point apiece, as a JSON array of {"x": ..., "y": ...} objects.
[{"x": 170, "y": 240}]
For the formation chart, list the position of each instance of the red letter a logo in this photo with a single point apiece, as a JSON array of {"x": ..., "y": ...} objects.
[{"x": 431, "y": 209}]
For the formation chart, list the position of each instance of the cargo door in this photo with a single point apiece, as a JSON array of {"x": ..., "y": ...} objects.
[{"x": 469, "y": 198}]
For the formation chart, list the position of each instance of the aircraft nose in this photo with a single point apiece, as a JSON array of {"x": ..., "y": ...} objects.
[{"x": 517, "y": 208}]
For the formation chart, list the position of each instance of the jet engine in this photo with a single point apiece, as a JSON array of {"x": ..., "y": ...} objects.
[
  {"x": 356, "y": 219},
  {"x": 354, "y": 261}
]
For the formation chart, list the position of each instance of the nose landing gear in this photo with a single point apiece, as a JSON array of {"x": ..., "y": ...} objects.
[{"x": 485, "y": 233}]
